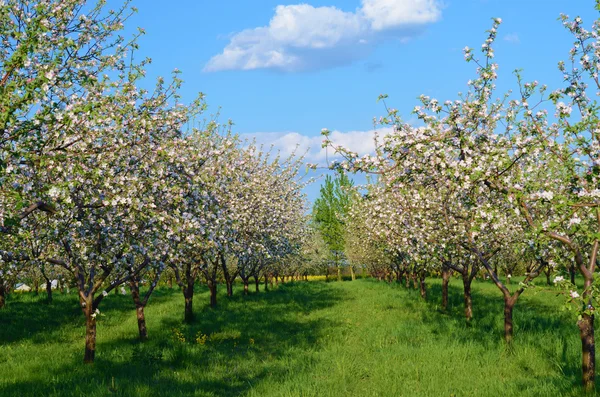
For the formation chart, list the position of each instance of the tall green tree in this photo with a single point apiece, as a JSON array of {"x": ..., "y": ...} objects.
[{"x": 329, "y": 214}]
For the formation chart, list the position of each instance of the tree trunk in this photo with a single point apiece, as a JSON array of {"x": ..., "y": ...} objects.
[
  {"x": 90, "y": 333},
  {"x": 141, "y": 319},
  {"x": 256, "y": 283},
  {"x": 49, "y": 290},
  {"x": 588, "y": 348},
  {"x": 422, "y": 287},
  {"x": 227, "y": 276},
  {"x": 36, "y": 287},
  {"x": 467, "y": 298},
  {"x": 445, "y": 282},
  {"x": 229, "y": 284},
  {"x": 415, "y": 281},
  {"x": 245, "y": 286},
  {"x": 170, "y": 282},
  {"x": 188, "y": 294},
  {"x": 407, "y": 281},
  {"x": 276, "y": 280},
  {"x": 327, "y": 276},
  {"x": 2, "y": 296},
  {"x": 134, "y": 285},
  {"x": 266, "y": 282},
  {"x": 212, "y": 287},
  {"x": 339, "y": 273},
  {"x": 572, "y": 272},
  {"x": 548, "y": 278},
  {"x": 352, "y": 273},
  {"x": 509, "y": 304}
]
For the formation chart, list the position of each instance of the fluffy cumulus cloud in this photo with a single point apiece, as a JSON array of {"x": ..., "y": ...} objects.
[
  {"x": 302, "y": 37},
  {"x": 286, "y": 143}
]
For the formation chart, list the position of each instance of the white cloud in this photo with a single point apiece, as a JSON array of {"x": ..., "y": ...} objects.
[
  {"x": 302, "y": 37},
  {"x": 387, "y": 14},
  {"x": 362, "y": 142},
  {"x": 512, "y": 38}
]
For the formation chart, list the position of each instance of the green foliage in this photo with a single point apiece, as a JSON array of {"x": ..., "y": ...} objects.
[{"x": 330, "y": 210}]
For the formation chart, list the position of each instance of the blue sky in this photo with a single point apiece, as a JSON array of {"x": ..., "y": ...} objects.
[{"x": 283, "y": 70}]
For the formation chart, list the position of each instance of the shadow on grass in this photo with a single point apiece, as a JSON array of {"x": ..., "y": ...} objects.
[
  {"x": 538, "y": 324},
  {"x": 30, "y": 317},
  {"x": 224, "y": 352}
]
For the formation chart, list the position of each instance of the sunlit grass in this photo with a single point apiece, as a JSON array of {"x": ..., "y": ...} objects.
[{"x": 361, "y": 338}]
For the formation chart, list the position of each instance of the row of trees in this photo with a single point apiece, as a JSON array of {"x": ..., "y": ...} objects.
[
  {"x": 106, "y": 183},
  {"x": 492, "y": 181}
]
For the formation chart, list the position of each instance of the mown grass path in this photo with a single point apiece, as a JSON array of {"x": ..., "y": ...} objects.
[{"x": 361, "y": 338}]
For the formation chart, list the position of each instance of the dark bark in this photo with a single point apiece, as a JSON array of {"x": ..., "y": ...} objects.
[
  {"x": 36, "y": 287},
  {"x": 509, "y": 304},
  {"x": 422, "y": 286},
  {"x": 266, "y": 282},
  {"x": 90, "y": 338},
  {"x": 445, "y": 282},
  {"x": 245, "y": 280},
  {"x": 212, "y": 287},
  {"x": 141, "y": 319},
  {"x": 572, "y": 274},
  {"x": 2, "y": 296},
  {"x": 89, "y": 310},
  {"x": 49, "y": 290},
  {"x": 188, "y": 294},
  {"x": 256, "y": 283},
  {"x": 139, "y": 308},
  {"x": 467, "y": 298},
  {"x": 588, "y": 348},
  {"x": 229, "y": 278}
]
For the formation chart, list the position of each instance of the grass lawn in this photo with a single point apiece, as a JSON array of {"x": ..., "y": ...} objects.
[{"x": 360, "y": 338}]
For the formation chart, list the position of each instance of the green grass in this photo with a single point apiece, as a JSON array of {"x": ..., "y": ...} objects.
[{"x": 361, "y": 338}]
